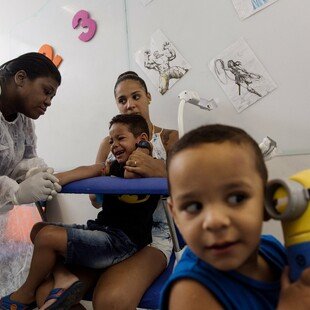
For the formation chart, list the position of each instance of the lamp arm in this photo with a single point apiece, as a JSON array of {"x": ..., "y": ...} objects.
[{"x": 181, "y": 118}]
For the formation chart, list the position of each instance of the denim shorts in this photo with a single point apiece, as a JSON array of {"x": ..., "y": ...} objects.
[{"x": 96, "y": 246}]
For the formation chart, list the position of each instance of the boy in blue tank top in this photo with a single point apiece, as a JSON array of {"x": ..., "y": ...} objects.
[{"x": 217, "y": 178}]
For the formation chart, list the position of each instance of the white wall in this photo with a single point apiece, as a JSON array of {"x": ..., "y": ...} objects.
[
  {"x": 201, "y": 29},
  {"x": 69, "y": 134}
]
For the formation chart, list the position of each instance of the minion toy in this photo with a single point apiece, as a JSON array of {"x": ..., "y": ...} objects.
[{"x": 288, "y": 201}]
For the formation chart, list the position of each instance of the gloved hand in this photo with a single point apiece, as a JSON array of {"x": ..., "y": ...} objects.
[
  {"x": 35, "y": 170},
  {"x": 37, "y": 187}
]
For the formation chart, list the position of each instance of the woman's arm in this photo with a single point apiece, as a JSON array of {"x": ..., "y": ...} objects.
[
  {"x": 132, "y": 175},
  {"x": 80, "y": 173},
  {"x": 30, "y": 158},
  {"x": 169, "y": 138},
  {"x": 104, "y": 150},
  {"x": 8, "y": 189},
  {"x": 147, "y": 166}
]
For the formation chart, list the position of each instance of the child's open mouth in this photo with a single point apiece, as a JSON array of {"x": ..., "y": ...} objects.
[
  {"x": 221, "y": 248},
  {"x": 119, "y": 153}
]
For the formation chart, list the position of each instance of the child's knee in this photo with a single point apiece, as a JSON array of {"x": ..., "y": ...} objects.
[
  {"x": 35, "y": 229},
  {"x": 51, "y": 236}
]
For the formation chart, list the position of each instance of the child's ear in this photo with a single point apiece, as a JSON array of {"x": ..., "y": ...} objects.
[
  {"x": 143, "y": 137},
  {"x": 171, "y": 208}
]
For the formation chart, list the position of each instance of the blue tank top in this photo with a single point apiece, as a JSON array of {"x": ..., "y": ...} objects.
[{"x": 232, "y": 289}]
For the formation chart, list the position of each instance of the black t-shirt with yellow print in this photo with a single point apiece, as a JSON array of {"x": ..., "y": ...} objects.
[{"x": 133, "y": 214}]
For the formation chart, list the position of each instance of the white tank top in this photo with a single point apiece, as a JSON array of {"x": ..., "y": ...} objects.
[{"x": 159, "y": 150}]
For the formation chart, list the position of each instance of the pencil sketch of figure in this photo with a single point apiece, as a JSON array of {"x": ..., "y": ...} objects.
[
  {"x": 258, "y": 3},
  {"x": 246, "y": 8},
  {"x": 160, "y": 61},
  {"x": 241, "y": 76}
]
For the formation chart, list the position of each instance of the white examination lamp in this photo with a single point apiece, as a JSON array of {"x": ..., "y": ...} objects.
[
  {"x": 268, "y": 145},
  {"x": 192, "y": 97},
  {"x": 269, "y": 148}
]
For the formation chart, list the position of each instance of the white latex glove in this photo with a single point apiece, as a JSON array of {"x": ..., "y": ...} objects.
[
  {"x": 50, "y": 170},
  {"x": 38, "y": 187},
  {"x": 35, "y": 170}
]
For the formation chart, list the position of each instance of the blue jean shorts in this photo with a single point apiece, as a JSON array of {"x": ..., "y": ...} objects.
[{"x": 96, "y": 246}]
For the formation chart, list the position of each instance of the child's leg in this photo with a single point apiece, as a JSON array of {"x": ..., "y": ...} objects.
[
  {"x": 61, "y": 279},
  {"x": 44, "y": 289},
  {"x": 36, "y": 228},
  {"x": 50, "y": 242}
]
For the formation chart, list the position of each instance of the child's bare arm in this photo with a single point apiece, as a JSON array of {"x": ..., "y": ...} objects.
[
  {"x": 189, "y": 294},
  {"x": 80, "y": 173}
]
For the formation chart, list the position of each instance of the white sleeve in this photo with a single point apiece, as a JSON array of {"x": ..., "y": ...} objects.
[
  {"x": 8, "y": 188},
  {"x": 14, "y": 172},
  {"x": 30, "y": 158},
  {"x": 24, "y": 165}
]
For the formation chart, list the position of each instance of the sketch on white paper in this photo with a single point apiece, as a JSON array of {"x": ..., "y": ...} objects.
[
  {"x": 161, "y": 62},
  {"x": 246, "y": 8},
  {"x": 241, "y": 75},
  {"x": 146, "y": 2}
]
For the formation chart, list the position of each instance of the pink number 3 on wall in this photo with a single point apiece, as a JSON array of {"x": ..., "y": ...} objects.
[{"x": 82, "y": 17}]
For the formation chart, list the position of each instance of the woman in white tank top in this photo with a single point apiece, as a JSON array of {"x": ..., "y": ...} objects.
[{"x": 129, "y": 279}]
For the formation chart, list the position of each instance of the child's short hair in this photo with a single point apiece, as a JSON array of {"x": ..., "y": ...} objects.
[
  {"x": 135, "y": 122},
  {"x": 218, "y": 134}
]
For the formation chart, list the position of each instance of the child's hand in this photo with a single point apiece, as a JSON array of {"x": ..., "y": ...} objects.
[
  {"x": 106, "y": 167},
  {"x": 297, "y": 294}
]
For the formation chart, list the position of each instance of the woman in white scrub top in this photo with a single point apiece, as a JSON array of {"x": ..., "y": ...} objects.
[{"x": 27, "y": 85}]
